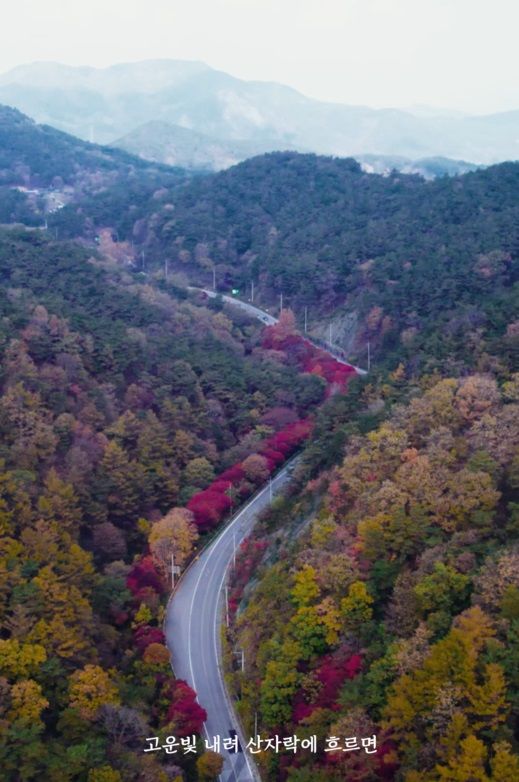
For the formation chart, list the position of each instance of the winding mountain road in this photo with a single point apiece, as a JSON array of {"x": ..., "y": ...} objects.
[
  {"x": 270, "y": 320},
  {"x": 196, "y": 611},
  {"x": 194, "y": 617},
  {"x": 250, "y": 309}
]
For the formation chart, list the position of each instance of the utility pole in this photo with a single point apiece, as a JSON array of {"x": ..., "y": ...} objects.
[
  {"x": 143, "y": 259},
  {"x": 281, "y": 302},
  {"x": 166, "y": 269},
  {"x": 175, "y": 570},
  {"x": 241, "y": 654},
  {"x": 214, "y": 278},
  {"x": 306, "y": 319},
  {"x": 330, "y": 340},
  {"x": 227, "y": 605},
  {"x": 231, "y": 498},
  {"x": 252, "y": 290}
]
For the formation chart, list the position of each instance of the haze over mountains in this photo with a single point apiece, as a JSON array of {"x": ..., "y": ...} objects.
[
  {"x": 380, "y": 597},
  {"x": 146, "y": 108}
]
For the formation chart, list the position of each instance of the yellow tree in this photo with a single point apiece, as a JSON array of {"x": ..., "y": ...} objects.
[
  {"x": 477, "y": 395},
  {"x": 330, "y": 618},
  {"x": 504, "y": 764},
  {"x": 174, "y": 535},
  {"x": 305, "y": 589},
  {"x": 90, "y": 688},
  {"x": 209, "y": 765},
  {"x": 66, "y": 623},
  {"x": 356, "y": 606},
  {"x": 104, "y": 774},
  {"x": 59, "y": 503},
  {"x": 467, "y": 765},
  {"x": 451, "y": 690},
  {"x": 27, "y": 704},
  {"x": 280, "y": 683},
  {"x": 20, "y": 659}
]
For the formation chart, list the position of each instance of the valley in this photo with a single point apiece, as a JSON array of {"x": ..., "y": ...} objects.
[{"x": 377, "y": 594}]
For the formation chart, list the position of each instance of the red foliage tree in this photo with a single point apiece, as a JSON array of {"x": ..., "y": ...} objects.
[
  {"x": 233, "y": 474},
  {"x": 185, "y": 714},
  {"x": 332, "y": 673},
  {"x": 146, "y": 635},
  {"x": 274, "y": 458},
  {"x": 144, "y": 574},
  {"x": 209, "y": 508}
]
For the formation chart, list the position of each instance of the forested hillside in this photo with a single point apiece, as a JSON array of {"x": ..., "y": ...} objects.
[
  {"x": 46, "y": 163},
  {"x": 418, "y": 267},
  {"x": 118, "y": 403},
  {"x": 40, "y": 154},
  {"x": 387, "y": 601},
  {"x": 382, "y": 596},
  {"x": 424, "y": 271},
  {"x": 420, "y": 264}
]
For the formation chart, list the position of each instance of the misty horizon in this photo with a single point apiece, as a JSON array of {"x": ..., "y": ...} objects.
[
  {"x": 417, "y": 108},
  {"x": 451, "y": 56}
]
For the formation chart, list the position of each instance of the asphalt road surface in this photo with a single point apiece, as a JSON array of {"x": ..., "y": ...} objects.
[
  {"x": 194, "y": 617},
  {"x": 197, "y": 609},
  {"x": 270, "y": 320},
  {"x": 250, "y": 309}
]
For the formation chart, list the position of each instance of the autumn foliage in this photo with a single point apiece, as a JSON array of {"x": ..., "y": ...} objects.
[
  {"x": 396, "y": 610},
  {"x": 211, "y": 505},
  {"x": 184, "y": 716},
  {"x": 283, "y": 338},
  {"x": 331, "y": 674}
]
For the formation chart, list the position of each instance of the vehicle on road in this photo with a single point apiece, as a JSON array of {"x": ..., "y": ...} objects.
[{"x": 233, "y": 735}]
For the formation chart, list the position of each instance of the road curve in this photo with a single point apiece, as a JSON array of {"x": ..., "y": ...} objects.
[
  {"x": 193, "y": 620},
  {"x": 270, "y": 320},
  {"x": 250, "y": 309},
  {"x": 195, "y": 611}
]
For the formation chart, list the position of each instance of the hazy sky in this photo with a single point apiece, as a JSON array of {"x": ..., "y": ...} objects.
[{"x": 460, "y": 54}]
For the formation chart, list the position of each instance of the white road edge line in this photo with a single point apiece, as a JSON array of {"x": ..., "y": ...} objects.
[{"x": 207, "y": 555}]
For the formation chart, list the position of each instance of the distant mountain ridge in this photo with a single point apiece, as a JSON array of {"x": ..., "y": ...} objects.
[
  {"x": 162, "y": 142},
  {"x": 427, "y": 167},
  {"x": 42, "y": 169},
  {"x": 149, "y": 76},
  {"x": 110, "y": 104}
]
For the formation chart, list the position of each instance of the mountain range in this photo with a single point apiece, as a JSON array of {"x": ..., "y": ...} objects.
[
  {"x": 42, "y": 169},
  {"x": 379, "y": 595},
  {"x": 149, "y": 107},
  {"x": 324, "y": 232}
]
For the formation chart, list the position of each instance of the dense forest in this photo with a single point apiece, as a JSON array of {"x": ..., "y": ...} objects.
[
  {"x": 425, "y": 271},
  {"x": 421, "y": 264},
  {"x": 419, "y": 267},
  {"x": 392, "y": 606},
  {"x": 381, "y": 596},
  {"x": 119, "y": 405},
  {"x": 40, "y": 160}
]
